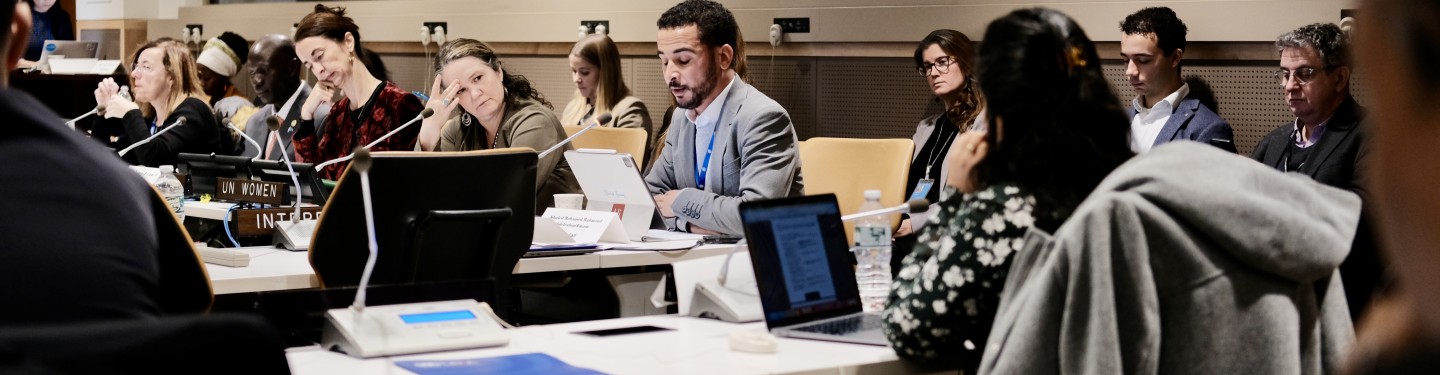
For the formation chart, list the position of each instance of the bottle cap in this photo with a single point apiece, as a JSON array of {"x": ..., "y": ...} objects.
[
  {"x": 167, "y": 169},
  {"x": 872, "y": 194}
]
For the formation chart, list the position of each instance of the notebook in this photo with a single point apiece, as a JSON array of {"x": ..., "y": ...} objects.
[{"x": 802, "y": 265}]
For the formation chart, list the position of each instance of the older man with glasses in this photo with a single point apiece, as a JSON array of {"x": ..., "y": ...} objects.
[{"x": 1326, "y": 141}]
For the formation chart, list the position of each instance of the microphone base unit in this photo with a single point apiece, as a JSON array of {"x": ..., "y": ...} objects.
[
  {"x": 294, "y": 235},
  {"x": 731, "y": 303}
]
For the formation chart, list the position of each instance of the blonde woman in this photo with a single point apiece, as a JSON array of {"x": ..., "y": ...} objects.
[
  {"x": 166, "y": 88},
  {"x": 600, "y": 88}
]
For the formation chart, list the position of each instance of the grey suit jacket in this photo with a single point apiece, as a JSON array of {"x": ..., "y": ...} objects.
[
  {"x": 755, "y": 157},
  {"x": 1194, "y": 122},
  {"x": 256, "y": 129}
]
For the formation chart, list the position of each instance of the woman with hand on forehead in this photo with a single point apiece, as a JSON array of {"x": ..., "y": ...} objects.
[
  {"x": 486, "y": 107},
  {"x": 328, "y": 43}
]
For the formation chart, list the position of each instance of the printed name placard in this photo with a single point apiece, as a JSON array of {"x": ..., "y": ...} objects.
[
  {"x": 250, "y": 191},
  {"x": 261, "y": 221},
  {"x": 588, "y": 226}
]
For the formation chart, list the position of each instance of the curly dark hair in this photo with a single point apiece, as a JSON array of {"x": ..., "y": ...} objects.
[
  {"x": 1332, "y": 44},
  {"x": 716, "y": 24},
  {"x": 1057, "y": 129},
  {"x": 1169, "y": 30},
  {"x": 516, "y": 86}
]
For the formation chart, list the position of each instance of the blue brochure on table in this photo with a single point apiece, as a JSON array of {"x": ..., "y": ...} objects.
[{"x": 532, "y": 363}]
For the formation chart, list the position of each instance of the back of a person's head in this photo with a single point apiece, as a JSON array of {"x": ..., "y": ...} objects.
[
  {"x": 1169, "y": 30},
  {"x": 716, "y": 25},
  {"x": 1061, "y": 129},
  {"x": 8, "y": 17}
]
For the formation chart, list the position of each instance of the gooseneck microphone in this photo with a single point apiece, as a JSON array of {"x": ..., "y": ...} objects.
[
  {"x": 600, "y": 120},
  {"x": 914, "y": 206},
  {"x": 176, "y": 124},
  {"x": 274, "y": 125},
  {"x": 423, "y": 114},
  {"x": 362, "y": 166},
  {"x": 237, "y": 129},
  {"x": 98, "y": 109}
]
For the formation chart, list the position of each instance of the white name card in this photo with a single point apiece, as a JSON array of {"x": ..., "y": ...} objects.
[{"x": 588, "y": 226}]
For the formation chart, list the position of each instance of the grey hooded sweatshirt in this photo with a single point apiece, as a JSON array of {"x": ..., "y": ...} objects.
[{"x": 1186, "y": 260}]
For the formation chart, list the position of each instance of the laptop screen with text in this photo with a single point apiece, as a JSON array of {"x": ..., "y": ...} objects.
[{"x": 799, "y": 252}]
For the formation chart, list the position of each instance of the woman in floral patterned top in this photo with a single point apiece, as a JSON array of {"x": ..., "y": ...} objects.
[{"x": 1056, "y": 131}]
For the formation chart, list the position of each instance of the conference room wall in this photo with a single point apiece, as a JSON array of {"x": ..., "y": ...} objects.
[
  {"x": 883, "y": 97},
  {"x": 831, "y": 21}
]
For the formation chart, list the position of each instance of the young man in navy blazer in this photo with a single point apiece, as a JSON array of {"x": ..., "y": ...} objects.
[{"x": 1152, "y": 48}]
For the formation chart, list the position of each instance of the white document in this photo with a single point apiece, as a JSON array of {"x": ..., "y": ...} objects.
[
  {"x": 547, "y": 232},
  {"x": 105, "y": 67},
  {"x": 612, "y": 183},
  {"x": 72, "y": 66},
  {"x": 588, "y": 226}
]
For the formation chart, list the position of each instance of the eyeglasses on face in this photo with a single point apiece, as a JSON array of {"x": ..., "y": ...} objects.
[
  {"x": 1302, "y": 76},
  {"x": 941, "y": 65}
]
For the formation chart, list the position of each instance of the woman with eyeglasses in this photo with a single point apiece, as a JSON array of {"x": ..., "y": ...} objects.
[
  {"x": 946, "y": 59},
  {"x": 329, "y": 44},
  {"x": 167, "y": 88},
  {"x": 1054, "y": 131}
]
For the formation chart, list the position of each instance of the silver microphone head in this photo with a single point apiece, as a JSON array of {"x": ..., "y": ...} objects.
[
  {"x": 272, "y": 123},
  {"x": 361, "y": 162},
  {"x": 916, "y": 206},
  {"x": 179, "y": 121},
  {"x": 100, "y": 108},
  {"x": 427, "y": 113},
  {"x": 603, "y": 119}
]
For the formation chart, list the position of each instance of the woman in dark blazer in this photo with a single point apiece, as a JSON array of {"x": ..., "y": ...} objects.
[{"x": 166, "y": 90}]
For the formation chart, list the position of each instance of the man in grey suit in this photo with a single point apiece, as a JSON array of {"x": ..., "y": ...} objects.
[
  {"x": 275, "y": 73},
  {"x": 1152, "y": 48},
  {"x": 729, "y": 143}
]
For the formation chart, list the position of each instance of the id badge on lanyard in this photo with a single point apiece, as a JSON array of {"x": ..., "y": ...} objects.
[{"x": 922, "y": 189}]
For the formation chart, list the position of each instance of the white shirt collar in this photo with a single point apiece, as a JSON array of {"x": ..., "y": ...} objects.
[{"x": 1169, "y": 101}]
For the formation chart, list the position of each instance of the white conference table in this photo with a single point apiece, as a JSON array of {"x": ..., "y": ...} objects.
[
  {"x": 693, "y": 346},
  {"x": 278, "y": 269}
]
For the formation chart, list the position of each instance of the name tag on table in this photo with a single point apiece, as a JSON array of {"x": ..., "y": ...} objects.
[
  {"x": 250, "y": 191},
  {"x": 262, "y": 221},
  {"x": 588, "y": 226}
]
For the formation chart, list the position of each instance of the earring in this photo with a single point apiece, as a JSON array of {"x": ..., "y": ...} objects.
[{"x": 465, "y": 119}]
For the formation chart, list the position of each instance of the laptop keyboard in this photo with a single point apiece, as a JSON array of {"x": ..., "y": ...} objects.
[{"x": 844, "y": 326}]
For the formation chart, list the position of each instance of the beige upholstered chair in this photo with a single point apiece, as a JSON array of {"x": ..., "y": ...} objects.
[{"x": 848, "y": 167}]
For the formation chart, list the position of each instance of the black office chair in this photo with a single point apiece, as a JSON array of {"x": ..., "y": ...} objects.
[
  {"x": 439, "y": 216},
  {"x": 215, "y": 344}
]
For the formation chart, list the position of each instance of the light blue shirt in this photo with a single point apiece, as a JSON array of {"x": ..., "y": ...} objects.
[{"x": 705, "y": 124}]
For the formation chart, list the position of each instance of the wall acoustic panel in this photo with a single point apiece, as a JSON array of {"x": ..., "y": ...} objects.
[
  {"x": 871, "y": 98},
  {"x": 790, "y": 81},
  {"x": 648, "y": 84}
]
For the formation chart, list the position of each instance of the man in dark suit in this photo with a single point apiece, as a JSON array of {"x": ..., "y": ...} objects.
[
  {"x": 729, "y": 143},
  {"x": 275, "y": 73},
  {"x": 1162, "y": 111},
  {"x": 1327, "y": 139}
]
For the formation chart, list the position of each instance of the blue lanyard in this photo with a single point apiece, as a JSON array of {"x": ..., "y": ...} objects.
[
  {"x": 153, "y": 128},
  {"x": 704, "y": 168}
]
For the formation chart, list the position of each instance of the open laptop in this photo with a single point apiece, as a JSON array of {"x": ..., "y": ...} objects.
[
  {"x": 612, "y": 182},
  {"x": 63, "y": 49},
  {"x": 807, "y": 286}
]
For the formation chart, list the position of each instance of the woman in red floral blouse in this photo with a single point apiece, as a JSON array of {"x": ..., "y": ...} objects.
[{"x": 328, "y": 43}]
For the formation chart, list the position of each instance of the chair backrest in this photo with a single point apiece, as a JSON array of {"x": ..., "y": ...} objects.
[
  {"x": 625, "y": 140},
  {"x": 848, "y": 167},
  {"x": 439, "y": 216},
  {"x": 184, "y": 283}
]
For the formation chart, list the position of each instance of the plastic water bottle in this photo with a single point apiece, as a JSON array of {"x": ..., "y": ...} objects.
[
  {"x": 872, "y": 253},
  {"x": 172, "y": 190}
]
